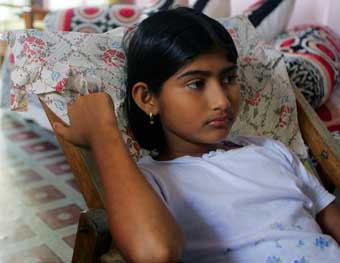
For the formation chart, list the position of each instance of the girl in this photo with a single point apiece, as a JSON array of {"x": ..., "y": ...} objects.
[{"x": 201, "y": 199}]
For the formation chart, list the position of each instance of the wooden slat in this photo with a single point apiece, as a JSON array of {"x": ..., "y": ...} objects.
[
  {"x": 93, "y": 237},
  {"x": 84, "y": 174},
  {"x": 323, "y": 146},
  {"x": 32, "y": 14}
]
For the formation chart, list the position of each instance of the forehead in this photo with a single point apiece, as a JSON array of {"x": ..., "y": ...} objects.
[{"x": 215, "y": 61}]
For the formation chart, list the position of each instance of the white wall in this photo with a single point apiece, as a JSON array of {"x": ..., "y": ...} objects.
[
  {"x": 333, "y": 16},
  {"x": 307, "y": 11},
  {"x": 238, "y": 6},
  {"x": 326, "y": 12}
]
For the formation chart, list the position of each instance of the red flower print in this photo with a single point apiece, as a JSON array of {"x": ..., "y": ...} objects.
[
  {"x": 247, "y": 59},
  {"x": 285, "y": 112},
  {"x": 33, "y": 48},
  {"x": 61, "y": 85},
  {"x": 12, "y": 99},
  {"x": 114, "y": 58},
  {"x": 11, "y": 58},
  {"x": 35, "y": 40},
  {"x": 232, "y": 33},
  {"x": 254, "y": 101}
]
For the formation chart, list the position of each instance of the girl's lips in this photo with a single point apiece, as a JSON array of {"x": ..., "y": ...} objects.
[{"x": 223, "y": 121}]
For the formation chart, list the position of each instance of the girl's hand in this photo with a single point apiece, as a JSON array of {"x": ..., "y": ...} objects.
[{"x": 90, "y": 116}]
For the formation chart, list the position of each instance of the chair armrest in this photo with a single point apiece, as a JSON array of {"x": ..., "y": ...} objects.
[
  {"x": 323, "y": 146},
  {"x": 93, "y": 236},
  {"x": 93, "y": 241}
]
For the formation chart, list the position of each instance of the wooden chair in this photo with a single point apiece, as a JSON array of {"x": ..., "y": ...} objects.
[
  {"x": 33, "y": 14},
  {"x": 3, "y": 48},
  {"x": 93, "y": 235}
]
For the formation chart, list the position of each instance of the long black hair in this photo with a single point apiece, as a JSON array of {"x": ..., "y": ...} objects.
[{"x": 157, "y": 49}]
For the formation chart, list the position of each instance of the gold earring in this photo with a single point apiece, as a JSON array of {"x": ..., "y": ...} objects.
[{"x": 151, "y": 118}]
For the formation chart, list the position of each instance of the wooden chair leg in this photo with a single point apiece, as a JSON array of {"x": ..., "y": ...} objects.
[
  {"x": 93, "y": 237},
  {"x": 28, "y": 18}
]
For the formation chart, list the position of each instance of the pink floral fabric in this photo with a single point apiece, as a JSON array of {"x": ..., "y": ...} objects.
[
  {"x": 60, "y": 66},
  {"x": 268, "y": 107}
]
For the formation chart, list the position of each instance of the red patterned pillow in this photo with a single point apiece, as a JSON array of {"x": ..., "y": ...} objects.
[
  {"x": 312, "y": 55},
  {"x": 100, "y": 19},
  {"x": 329, "y": 113}
]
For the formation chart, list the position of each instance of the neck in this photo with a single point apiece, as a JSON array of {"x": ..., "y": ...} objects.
[{"x": 171, "y": 153}]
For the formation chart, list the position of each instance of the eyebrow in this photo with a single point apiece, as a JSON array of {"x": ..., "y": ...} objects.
[{"x": 207, "y": 72}]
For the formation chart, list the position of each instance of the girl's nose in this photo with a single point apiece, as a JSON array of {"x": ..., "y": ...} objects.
[{"x": 218, "y": 98}]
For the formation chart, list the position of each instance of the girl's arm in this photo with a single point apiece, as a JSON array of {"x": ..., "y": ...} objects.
[
  {"x": 329, "y": 220},
  {"x": 141, "y": 225}
]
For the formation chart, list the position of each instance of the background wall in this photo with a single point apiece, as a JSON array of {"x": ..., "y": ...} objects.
[{"x": 326, "y": 12}]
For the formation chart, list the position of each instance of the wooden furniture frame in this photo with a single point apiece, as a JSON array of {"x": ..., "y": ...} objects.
[
  {"x": 33, "y": 14},
  {"x": 93, "y": 235}
]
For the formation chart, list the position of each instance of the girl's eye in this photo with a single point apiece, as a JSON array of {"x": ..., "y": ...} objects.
[
  {"x": 197, "y": 84},
  {"x": 229, "y": 80}
]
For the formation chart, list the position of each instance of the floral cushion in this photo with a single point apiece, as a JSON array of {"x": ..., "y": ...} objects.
[
  {"x": 312, "y": 55},
  {"x": 268, "y": 107},
  {"x": 60, "y": 66}
]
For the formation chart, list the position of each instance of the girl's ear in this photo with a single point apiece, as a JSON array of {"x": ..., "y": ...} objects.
[{"x": 144, "y": 98}]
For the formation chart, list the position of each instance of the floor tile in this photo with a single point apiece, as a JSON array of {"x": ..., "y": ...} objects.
[{"x": 40, "y": 202}]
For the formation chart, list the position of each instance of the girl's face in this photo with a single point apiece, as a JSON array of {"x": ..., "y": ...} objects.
[{"x": 198, "y": 104}]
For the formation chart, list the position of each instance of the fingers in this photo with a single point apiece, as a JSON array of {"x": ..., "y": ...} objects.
[
  {"x": 85, "y": 114},
  {"x": 62, "y": 130}
]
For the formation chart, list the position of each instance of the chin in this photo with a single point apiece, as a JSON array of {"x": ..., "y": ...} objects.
[{"x": 218, "y": 136}]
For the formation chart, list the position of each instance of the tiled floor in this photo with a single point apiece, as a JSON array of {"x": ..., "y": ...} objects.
[{"x": 39, "y": 200}]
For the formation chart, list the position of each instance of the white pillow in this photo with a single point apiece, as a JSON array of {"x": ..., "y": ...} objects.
[
  {"x": 214, "y": 8},
  {"x": 270, "y": 17}
]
